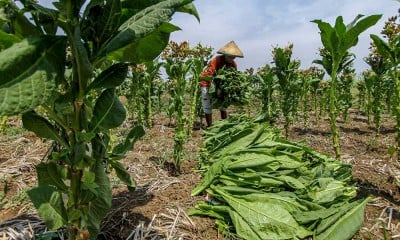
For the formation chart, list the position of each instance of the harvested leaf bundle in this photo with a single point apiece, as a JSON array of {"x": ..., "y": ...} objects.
[
  {"x": 271, "y": 188},
  {"x": 230, "y": 87}
]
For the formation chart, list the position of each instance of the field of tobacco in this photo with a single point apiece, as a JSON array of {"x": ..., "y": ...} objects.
[{"x": 164, "y": 203}]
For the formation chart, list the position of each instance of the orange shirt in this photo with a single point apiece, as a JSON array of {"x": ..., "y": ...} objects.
[{"x": 213, "y": 66}]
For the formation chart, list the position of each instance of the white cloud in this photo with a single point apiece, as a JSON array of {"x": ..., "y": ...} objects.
[{"x": 258, "y": 25}]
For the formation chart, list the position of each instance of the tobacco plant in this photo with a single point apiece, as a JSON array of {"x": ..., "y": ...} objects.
[
  {"x": 67, "y": 61},
  {"x": 377, "y": 82},
  {"x": 197, "y": 57},
  {"x": 316, "y": 90},
  {"x": 337, "y": 40},
  {"x": 285, "y": 69},
  {"x": 197, "y": 66},
  {"x": 310, "y": 79},
  {"x": 133, "y": 89},
  {"x": 177, "y": 72},
  {"x": 390, "y": 51},
  {"x": 344, "y": 94},
  {"x": 267, "y": 86},
  {"x": 366, "y": 88},
  {"x": 140, "y": 91}
]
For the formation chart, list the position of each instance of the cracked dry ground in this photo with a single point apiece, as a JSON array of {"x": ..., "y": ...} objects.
[{"x": 156, "y": 210}]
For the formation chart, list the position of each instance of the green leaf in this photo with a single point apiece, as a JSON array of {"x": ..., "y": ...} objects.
[
  {"x": 48, "y": 201},
  {"x": 46, "y": 17},
  {"x": 346, "y": 226},
  {"x": 147, "y": 48},
  {"x": 327, "y": 32},
  {"x": 135, "y": 134},
  {"x": 243, "y": 228},
  {"x": 108, "y": 112},
  {"x": 383, "y": 48},
  {"x": 7, "y": 40},
  {"x": 41, "y": 127},
  {"x": 190, "y": 9},
  {"x": 340, "y": 27},
  {"x": 205, "y": 209},
  {"x": 22, "y": 26},
  {"x": 351, "y": 37},
  {"x": 50, "y": 174},
  {"x": 102, "y": 203},
  {"x": 28, "y": 73},
  {"x": 142, "y": 24},
  {"x": 268, "y": 219},
  {"x": 111, "y": 77},
  {"x": 329, "y": 189},
  {"x": 101, "y": 21},
  {"x": 123, "y": 175},
  {"x": 213, "y": 173},
  {"x": 89, "y": 187}
]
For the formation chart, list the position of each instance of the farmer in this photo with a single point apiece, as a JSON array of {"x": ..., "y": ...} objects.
[{"x": 226, "y": 59}]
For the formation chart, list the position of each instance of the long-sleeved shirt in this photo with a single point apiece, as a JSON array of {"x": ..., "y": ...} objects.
[{"x": 213, "y": 66}]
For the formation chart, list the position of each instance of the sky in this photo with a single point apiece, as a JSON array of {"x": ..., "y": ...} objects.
[{"x": 257, "y": 26}]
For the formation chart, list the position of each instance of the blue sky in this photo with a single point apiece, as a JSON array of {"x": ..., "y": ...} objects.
[{"x": 259, "y": 25}]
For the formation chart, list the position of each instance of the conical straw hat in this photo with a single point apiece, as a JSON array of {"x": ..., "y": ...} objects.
[{"x": 231, "y": 49}]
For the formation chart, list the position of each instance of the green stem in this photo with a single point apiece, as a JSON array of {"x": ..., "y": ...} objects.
[
  {"x": 193, "y": 104},
  {"x": 76, "y": 176},
  {"x": 397, "y": 82},
  {"x": 333, "y": 113},
  {"x": 55, "y": 117}
]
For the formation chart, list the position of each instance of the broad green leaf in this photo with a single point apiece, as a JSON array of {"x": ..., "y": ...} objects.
[
  {"x": 333, "y": 214},
  {"x": 243, "y": 228},
  {"x": 213, "y": 173},
  {"x": 130, "y": 8},
  {"x": 356, "y": 29},
  {"x": 123, "y": 174},
  {"x": 329, "y": 189},
  {"x": 50, "y": 174},
  {"x": 340, "y": 27},
  {"x": 101, "y": 20},
  {"x": 99, "y": 207},
  {"x": 190, "y": 9},
  {"x": 346, "y": 226},
  {"x": 84, "y": 66},
  {"x": 236, "y": 190},
  {"x": 355, "y": 20},
  {"x": 292, "y": 182},
  {"x": 49, "y": 203},
  {"x": 46, "y": 17},
  {"x": 287, "y": 202},
  {"x": 7, "y": 40},
  {"x": 147, "y": 48},
  {"x": 23, "y": 27},
  {"x": 89, "y": 186},
  {"x": 251, "y": 160},
  {"x": 327, "y": 31},
  {"x": 28, "y": 73},
  {"x": 142, "y": 24},
  {"x": 205, "y": 209},
  {"x": 135, "y": 134},
  {"x": 42, "y": 127},
  {"x": 108, "y": 112},
  {"x": 112, "y": 77},
  {"x": 269, "y": 220},
  {"x": 383, "y": 48},
  {"x": 308, "y": 217}
]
